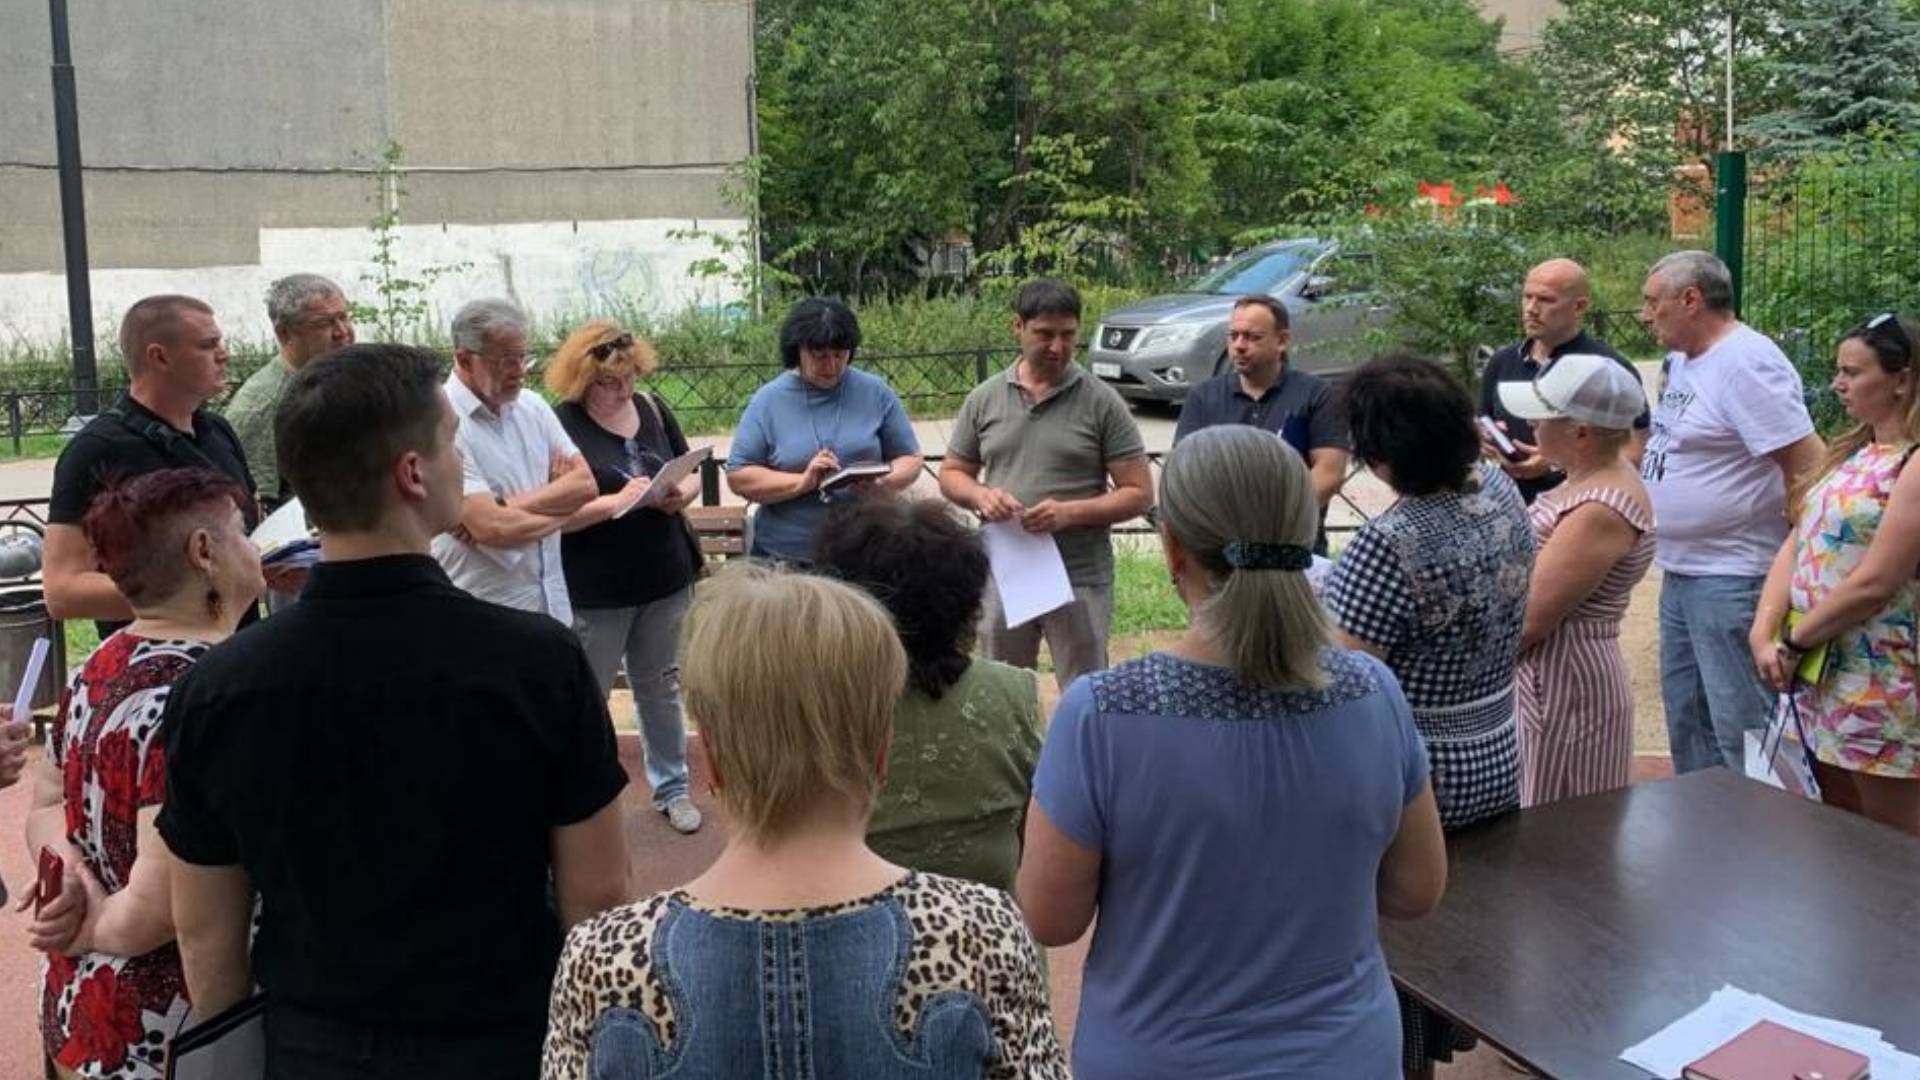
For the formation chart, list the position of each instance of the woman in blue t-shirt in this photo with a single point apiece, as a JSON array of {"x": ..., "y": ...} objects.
[
  {"x": 1235, "y": 809},
  {"x": 815, "y": 419}
]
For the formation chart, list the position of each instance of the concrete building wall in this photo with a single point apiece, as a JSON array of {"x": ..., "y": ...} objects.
[
  {"x": 1526, "y": 21},
  {"x": 230, "y": 141}
]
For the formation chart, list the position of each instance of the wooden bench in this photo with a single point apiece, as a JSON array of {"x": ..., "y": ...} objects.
[{"x": 722, "y": 530}]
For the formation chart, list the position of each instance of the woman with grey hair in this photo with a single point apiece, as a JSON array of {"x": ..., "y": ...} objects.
[{"x": 1179, "y": 796}]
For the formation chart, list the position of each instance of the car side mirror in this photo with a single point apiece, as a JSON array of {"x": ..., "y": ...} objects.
[{"x": 1317, "y": 286}]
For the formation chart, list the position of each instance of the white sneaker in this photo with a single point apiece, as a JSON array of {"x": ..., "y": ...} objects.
[{"x": 682, "y": 814}]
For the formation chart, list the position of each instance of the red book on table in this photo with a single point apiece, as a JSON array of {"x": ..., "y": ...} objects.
[{"x": 1767, "y": 1051}]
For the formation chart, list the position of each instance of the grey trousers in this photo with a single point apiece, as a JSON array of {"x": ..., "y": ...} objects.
[
  {"x": 646, "y": 637},
  {"x": 1076, "y": 635}
]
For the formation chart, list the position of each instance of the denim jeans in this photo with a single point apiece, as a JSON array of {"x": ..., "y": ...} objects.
[
  {"x": 814, "y": 997},
  {"x": 1076, "y": 635},
  {"x": 646, "y": 637},
  {"x": 1708, "y": 683}
]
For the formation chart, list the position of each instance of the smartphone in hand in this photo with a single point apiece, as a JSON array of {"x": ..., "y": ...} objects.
[
  {"x": 1498, "y": 437},
  {"x": 53, "y": 878}
]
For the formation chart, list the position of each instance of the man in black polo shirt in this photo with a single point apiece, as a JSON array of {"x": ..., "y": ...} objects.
[
  {"x": 1552, "y": 307},
  {"x": 393, "y": 764},
  {"x": 1265, "y": 391},
  {"x": 176, "y": 363}
]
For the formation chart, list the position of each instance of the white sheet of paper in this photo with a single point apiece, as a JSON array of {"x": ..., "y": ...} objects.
[
  {"x": 1731, "y": 1011},
  {"x": 23, "y": 697},
  {"x": 669, "y": 477},
  {"x": 287, "y": 523},
  {"x": 1028, "y": 571}
]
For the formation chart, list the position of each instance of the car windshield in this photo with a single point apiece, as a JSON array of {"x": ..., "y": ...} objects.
[{"x": 1258, "y": 271}]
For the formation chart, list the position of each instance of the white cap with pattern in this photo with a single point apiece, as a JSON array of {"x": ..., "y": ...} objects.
[{"x": 1592, "y": 389}]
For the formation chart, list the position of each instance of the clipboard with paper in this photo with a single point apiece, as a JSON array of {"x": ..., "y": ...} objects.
[{"x": 667, "y": 479}]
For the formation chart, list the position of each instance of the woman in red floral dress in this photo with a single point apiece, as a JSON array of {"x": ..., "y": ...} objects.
[{"x": 175, "y": 547}]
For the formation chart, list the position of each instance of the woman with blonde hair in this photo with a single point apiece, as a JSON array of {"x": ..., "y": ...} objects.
[
  {"x": 1181, "y": 796},
  {"x": 630, "y": 577},
  {"x": 1846, "y": 578},
  {"x": 799, "y": 944}
]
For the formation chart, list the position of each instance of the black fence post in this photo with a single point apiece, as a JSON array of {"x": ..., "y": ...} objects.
[
  {"x": 979, "y": 366},
  {"x": 710, "y": 482},
  {"x": 13, "y": 420}
]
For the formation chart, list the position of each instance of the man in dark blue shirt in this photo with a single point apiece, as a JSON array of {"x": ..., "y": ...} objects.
[
  {"x": 1552, "y": 307},
  {"x": 1264, "y": 391}
]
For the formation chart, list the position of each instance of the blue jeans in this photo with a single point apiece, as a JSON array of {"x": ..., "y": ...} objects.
[
  {"x": 1712, "y": 693},
  {"x": 646, "y": 637}
]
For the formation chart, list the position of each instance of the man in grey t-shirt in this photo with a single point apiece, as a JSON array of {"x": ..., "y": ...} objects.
[{"x": 1039, "y": 443}]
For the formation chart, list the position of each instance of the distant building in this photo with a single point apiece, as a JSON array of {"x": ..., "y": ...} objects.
[
  {"x": 560, "y": 153},
  {"x": 1526, "y": 21}
]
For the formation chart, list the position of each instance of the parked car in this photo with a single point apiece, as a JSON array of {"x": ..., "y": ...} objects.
[{"x": 1155, "y": 349}]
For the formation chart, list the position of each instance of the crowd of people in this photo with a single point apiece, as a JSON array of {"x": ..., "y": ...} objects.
[{"x": 392, "y": 804}]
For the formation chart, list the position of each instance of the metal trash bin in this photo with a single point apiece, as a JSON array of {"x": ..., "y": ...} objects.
[{"x": 23, "y": 617}]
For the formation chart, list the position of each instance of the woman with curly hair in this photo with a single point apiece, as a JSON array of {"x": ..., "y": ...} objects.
[
  {"x": 630, "y": 577},
  {"x": 966, "y": 731},
  {"x": 174, "y": 544}
]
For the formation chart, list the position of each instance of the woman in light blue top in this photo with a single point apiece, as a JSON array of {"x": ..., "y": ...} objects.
[
  {"x": 816, "y": 418},
  {"x": 1236, "y": 809}
]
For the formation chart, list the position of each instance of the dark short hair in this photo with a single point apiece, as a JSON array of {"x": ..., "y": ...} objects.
[
  {"x": 154, "y": 320},
  {"x": 1046, "y": 296},
  {"x": 137, "y": 527},
  {"x": 1406, "y": 412},
  {"x": 924, "y": 565},
  {"x": 345, "y": 419},
  {"x": 1281, "y": 320},
  {"x": 818, "y": 322}
]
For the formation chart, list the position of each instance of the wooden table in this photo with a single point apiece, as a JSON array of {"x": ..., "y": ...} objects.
[{"x": 1572, "y": 931}]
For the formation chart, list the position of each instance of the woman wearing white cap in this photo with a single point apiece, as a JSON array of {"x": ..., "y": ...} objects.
[{"x": 1595, "y": 534}]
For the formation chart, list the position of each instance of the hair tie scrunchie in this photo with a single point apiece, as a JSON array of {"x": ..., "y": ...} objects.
[{"x": 1255, "y": 555}]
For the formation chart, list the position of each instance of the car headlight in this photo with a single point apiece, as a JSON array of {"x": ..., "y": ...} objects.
[{"x": 1171, "y": 338}]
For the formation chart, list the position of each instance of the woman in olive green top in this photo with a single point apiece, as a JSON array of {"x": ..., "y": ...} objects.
[{"x": 966, "y": 732}]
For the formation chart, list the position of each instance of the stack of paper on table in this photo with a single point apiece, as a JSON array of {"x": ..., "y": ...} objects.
[{"x": 1731, "y": 1011}]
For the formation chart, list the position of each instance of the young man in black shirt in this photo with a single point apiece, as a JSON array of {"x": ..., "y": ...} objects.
[
  {"x": 394, "y": 765},
  {"x": 1553, "y": 305},
  {"x": 176, "y": 363}
]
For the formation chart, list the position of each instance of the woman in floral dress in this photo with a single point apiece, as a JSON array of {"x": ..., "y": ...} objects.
[
  {"x": 174, "y": 545},
  {"x": 1848, "y": 572}
]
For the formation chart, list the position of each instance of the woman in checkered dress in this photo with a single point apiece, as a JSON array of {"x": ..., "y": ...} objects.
[{"x": 1437, "y": 587}]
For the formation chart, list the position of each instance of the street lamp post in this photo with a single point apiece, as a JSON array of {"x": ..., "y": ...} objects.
[{"x": 73, "y": 215}]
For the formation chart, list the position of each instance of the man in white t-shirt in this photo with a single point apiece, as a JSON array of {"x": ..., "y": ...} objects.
[
  {"x": 523, "y": 476},
  {"x": 1730, "y": 430}
]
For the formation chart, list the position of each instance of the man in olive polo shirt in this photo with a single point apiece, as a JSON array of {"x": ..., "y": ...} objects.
[{"x": 1040, "y": 443}]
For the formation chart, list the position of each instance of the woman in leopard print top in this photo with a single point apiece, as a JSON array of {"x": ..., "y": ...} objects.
[{"x": 800, "y": 952}]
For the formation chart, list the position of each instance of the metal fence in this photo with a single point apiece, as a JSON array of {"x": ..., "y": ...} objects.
[{"x": 1828, "y": 243}]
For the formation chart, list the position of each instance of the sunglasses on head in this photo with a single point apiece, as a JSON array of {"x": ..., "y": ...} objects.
[
  {"x": 605, "y": 349},
  {"x": 1887, "y": 325}
]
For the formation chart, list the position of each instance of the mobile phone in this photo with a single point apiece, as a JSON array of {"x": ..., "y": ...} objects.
[
  {"x": 1499, "y": 440},
  {"x": 53, "y": 875}
]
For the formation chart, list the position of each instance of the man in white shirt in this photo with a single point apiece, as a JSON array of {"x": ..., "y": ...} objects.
[
  {"x": 523, "y": 476},
  {"x": 1730, "y": 432}
]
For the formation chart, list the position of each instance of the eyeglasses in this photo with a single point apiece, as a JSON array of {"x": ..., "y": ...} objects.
[
  {"x": 1887, "y": 324},
  {"x": 605, "y": 349},
  {"x": 326, "y": 322}
]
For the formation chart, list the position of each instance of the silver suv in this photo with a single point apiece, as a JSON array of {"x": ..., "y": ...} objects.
[{"x": 1155, "y": 349}]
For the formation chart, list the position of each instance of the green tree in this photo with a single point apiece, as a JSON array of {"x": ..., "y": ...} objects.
[
  {"x": 1850, "y": 66},
  {"x": 1648, "y": 77}
]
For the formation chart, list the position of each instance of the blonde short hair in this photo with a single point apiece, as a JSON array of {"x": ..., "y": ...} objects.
[
  {"x": 572, "y": 367},
  {"x": 792, "y": 679}
]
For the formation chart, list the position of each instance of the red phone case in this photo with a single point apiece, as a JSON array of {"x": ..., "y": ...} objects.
[{"x": 53, "y": 872}]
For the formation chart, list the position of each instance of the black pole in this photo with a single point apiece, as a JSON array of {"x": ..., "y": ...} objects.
[{"x": 73, "y": 215}]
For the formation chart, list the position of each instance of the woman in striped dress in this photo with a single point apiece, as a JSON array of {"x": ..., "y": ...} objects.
[{"x": 1595, "y": 532}]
